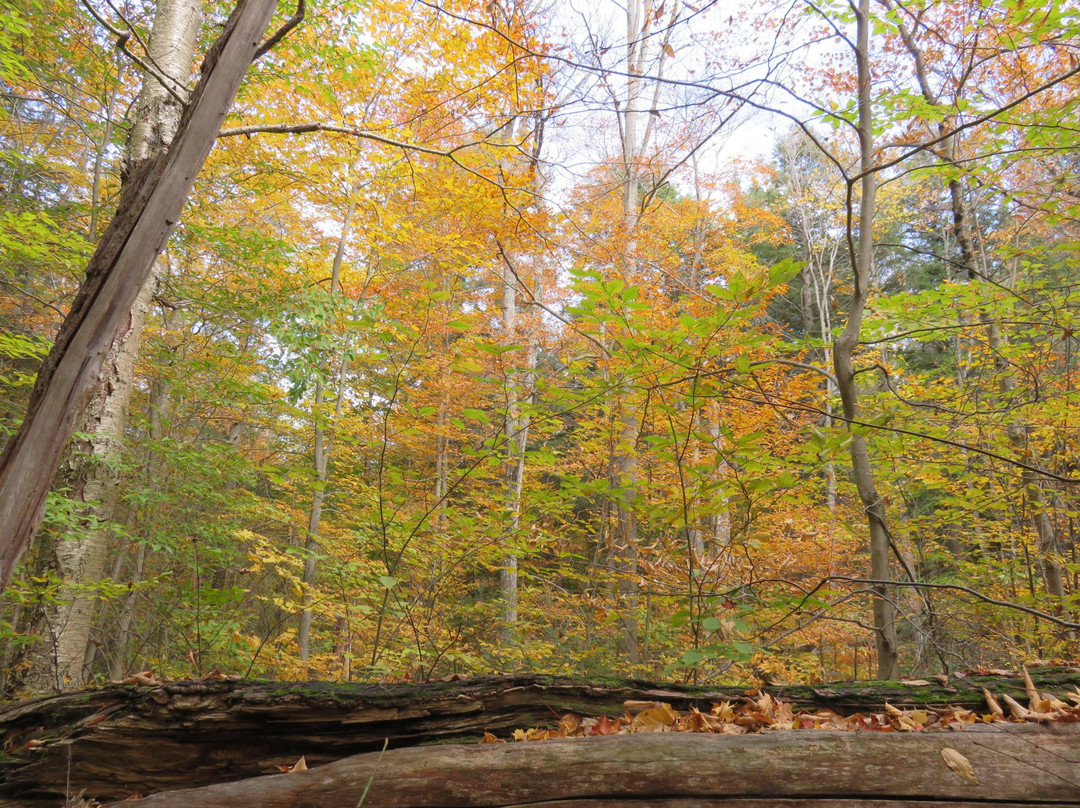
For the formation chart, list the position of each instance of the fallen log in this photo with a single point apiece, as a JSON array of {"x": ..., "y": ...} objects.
[
  {"x": 124, "y": 739},
  {"x": 1011, "y": 765}
]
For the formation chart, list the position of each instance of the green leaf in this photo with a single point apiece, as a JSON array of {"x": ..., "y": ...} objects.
[{"x": 712, "y": 623}]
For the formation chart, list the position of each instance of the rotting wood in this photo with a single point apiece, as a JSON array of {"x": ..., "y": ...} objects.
[
  {"x": 1013, "y": 763},
  {"x": 148, "y": 210},
  {"x": 123, "y": 739}
]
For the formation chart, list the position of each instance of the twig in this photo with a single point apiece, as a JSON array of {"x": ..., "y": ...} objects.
[
  {"x": 279, "y": 34},
  {"x": 122, "y": 38},
  {"x": 371, "y": 780}
]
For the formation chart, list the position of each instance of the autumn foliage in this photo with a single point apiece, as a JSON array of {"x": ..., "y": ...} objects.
[{"x": 436, "y": 288}]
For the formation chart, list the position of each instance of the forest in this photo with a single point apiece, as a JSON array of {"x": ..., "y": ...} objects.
[{"x": 690, "y": 341}]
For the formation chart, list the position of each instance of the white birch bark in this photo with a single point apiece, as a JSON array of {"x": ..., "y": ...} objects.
[{"x": 89, "y": 470}]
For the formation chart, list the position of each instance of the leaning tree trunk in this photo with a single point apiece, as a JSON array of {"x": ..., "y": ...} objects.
[
  {"x": 118, "y": 270},
  {"x": 89, "y": 472}
]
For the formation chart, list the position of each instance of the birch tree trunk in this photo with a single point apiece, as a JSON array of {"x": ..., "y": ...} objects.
[{"x": 89, "y": 471}]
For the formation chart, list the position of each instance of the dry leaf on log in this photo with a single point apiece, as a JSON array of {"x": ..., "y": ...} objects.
[{"x": 959, "y": 764}]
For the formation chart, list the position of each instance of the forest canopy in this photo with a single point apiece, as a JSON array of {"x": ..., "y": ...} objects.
[{"x": 695, "y": 341}]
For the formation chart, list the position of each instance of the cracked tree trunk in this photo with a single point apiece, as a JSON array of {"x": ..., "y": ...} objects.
[
  {"x": 118, "y": 271},
  {"x": 89, "y": 472}
]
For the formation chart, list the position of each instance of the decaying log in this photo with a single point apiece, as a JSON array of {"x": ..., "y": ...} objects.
[
  {"x": 125, "y": 739},
  {"x": 1012, "y": 764}
]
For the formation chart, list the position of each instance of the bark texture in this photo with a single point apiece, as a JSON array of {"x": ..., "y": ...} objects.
[
  {"x": 89, "y": 469},
  {"x": 124, "y": 739},
  {"x": 862, "y": 259},
  {"x": 1012, "y": 765},
  {"x": 123, "y": 260}
]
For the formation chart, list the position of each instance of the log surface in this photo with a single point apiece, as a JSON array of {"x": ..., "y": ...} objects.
[
  {"x": 126, "y": 739},
  {"x": 1013, "y": 764}
]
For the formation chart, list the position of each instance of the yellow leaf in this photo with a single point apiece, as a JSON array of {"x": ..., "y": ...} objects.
[
  {"x": 959, "y": 764},
  {"x": 658, "y": 717}
]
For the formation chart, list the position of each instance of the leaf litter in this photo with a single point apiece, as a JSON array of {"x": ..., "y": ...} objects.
[{"x": 762, "y": 712}]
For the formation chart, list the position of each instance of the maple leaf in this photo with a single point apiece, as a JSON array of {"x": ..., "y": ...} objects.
[
  {"x": 570, "y": 723},
  {"x": 656, "y": 718}
]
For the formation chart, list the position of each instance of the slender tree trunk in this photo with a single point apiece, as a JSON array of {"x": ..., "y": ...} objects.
[
  {"x": 843, "y": 350},
  {"x": 1047, "y": 542},
  {"x": 625, "y": 540},
  {"x": 514, "y": 427},
  {"x": 89, "y": 472},
  {"x": 159, "y": 408},
  {"x": 321, "y": 454}
]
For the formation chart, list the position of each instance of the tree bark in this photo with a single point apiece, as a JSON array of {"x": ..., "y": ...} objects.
[
  {"x": 117, "y": 272},
  {"x": 1018, "y": 765},
  {"x": 1047, "y": 542},
  {"x": 89, "y": 472},
  {"x": 843, "y": 349},
  {"x": 321, "y": 458},
  {"x": 122, "y": 739}
]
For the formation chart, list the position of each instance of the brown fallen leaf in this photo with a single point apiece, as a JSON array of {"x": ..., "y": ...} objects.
[
  {"x": 659, "y": 717},
  {"x": 145, "y": 678},
  {"x": 1022, "y": 713},
  {"x": 1036, "y": 702},
  {"x": 605, "y": 726},
  {"x": 299, "y": 766},
  {"x": 959, "y": 764},
  {"x": 570, "y": 723},
  {"x": 995, "y": 708}
]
